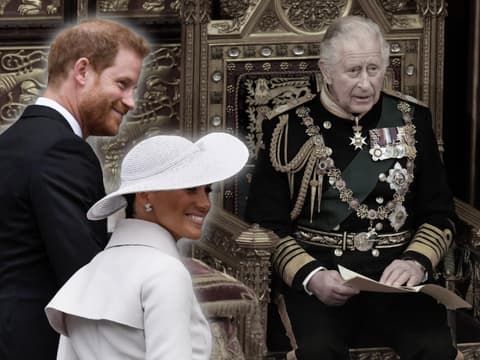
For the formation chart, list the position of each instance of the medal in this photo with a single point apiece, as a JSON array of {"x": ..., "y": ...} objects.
[{"x": 358, "y": 140}]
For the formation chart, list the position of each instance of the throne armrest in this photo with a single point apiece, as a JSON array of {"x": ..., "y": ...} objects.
[
  {"x": 469, "y": 242},
  {"x": 241, "y": 250}
]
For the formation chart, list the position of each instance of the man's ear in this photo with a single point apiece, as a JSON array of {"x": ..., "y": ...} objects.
[
  {"x": 325, "y": 70},
  {"x": 81, "y": 69}
]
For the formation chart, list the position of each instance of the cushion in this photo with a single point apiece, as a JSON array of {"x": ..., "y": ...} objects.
[{"x": 219, "y": 294}]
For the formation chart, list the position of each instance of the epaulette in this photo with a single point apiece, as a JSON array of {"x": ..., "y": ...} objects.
[
  {"x": 404, "y": 97},
  {"x": 288, "y": 106}
]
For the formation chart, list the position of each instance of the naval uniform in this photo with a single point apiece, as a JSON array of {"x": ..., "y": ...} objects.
[{"x": 360, "y": 197}]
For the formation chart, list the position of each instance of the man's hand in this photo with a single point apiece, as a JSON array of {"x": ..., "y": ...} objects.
[
  {"x": 403, "y": 272},
  {"x": 327, "y": 286}
]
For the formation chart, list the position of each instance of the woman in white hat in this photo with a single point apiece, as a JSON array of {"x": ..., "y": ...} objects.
[{"x": 135, "y": 299}]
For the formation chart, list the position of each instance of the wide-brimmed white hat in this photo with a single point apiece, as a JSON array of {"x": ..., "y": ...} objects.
[{"x": 168, "y": 162}]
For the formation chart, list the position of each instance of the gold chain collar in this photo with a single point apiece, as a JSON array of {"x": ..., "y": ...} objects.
[{"x": 315, "y": 156}]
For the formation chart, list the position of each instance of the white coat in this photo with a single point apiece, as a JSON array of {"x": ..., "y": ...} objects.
[{"x": 134, "y": 300}]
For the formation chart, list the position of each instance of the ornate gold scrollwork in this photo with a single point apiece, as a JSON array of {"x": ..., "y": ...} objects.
[
  {"x": 32, "y": 7},
  {"x": 22, "y": 79}
]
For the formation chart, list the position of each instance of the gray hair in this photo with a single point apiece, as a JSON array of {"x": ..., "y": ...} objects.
[{"x": 350, "y": 27}]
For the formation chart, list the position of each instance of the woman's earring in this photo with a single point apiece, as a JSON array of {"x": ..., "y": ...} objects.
[{"x": 148, "y": 207}]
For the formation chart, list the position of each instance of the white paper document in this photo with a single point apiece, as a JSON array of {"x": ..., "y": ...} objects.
[{"x": 448, "y": 298}]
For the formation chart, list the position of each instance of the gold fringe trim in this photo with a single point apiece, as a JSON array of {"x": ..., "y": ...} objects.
[{"x": 228, "y": 308}]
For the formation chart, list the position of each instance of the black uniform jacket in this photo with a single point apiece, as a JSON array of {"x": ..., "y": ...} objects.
[
  {"x": 49, "y": 177},
  {"x": 428, "y": 202}
]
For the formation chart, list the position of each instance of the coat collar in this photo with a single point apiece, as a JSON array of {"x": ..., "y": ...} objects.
[
  {"x": 135, "y": 232},
  {"x": 35, "y": 111},
  {"x": 64, "y": 112},
  {"x": 93, "y": 292}
]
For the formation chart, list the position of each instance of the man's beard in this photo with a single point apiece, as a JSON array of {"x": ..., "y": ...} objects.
[{"x": 94, "y": 111}]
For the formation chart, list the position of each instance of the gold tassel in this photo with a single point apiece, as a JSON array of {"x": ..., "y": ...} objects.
[
  {"x": 313, "y": 193},
  {"x": 319, "y": 192}
]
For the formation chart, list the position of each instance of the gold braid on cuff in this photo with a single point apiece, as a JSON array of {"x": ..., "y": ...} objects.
[
  {"x": 289, "y": 258},
  {"x": 431, "y": 242}
]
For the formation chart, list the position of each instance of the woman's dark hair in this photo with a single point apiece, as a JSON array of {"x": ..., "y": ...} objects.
[{"x": 130, "y": 210}]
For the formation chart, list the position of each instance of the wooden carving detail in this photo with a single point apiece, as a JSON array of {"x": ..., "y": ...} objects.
[
  {"x": 29, "y": 7},
  {"x": 147, "y": 7},
  {"x": 236, "y": 10},
  {"x": 269, "y": 23},
  {"x": 188, "y": 11},
  {"x": 3, "y": 4},
  {"x": 113, "y": 5},
  {"x": 204, "y": 11},
  {"x": 194, "y": 11},
  {"x": 156, "y": 6},
  {"x": 313, "y": 15},
  {"x": 396, "y": 6},
  {"x": 402, "y": 14},
  {"x": 432, "y": 7},
  {"x": 22, "y": 79}
]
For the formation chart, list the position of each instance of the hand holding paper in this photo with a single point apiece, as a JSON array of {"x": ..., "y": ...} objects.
[{"x": 448, "y": 298}]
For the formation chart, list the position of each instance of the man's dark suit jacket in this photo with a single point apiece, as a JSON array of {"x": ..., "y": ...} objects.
[{"x": 49, "y": 177}]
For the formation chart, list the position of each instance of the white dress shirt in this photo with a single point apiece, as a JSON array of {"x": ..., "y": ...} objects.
[{"x": 134, "y": 300}]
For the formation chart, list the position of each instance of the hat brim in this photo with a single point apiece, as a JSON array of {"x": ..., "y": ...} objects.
[{"x": 220, "y": 157}]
